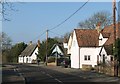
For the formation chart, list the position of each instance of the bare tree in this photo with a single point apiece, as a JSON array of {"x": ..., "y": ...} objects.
[
  {"x": 5, "y": 8},
  {"x": 5, "y": 41},
  {"x": 102, "y": 17}
]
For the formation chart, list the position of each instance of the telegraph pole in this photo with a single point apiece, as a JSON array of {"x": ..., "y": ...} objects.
[
  {"x": 46, "y": 47},
  {"x": 114, "y": 26}
]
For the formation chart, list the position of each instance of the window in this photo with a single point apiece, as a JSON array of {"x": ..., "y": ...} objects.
[{"x": 86, "y": 57}]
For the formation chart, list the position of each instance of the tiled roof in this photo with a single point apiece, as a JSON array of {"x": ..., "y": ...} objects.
[
  {"x": 87, "y": 37},
  {"x": 110, "y": 31},
  {"x": 29, "y": 50},
  {"x": 106, "y": 35},
  {"x": 109, "y": 43}
]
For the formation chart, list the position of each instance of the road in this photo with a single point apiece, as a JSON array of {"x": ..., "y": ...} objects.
[{"x": 29, "y": 74}]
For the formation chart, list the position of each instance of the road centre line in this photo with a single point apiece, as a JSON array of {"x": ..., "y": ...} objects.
[
  {"x": 52, "y": 77},
  {"x": 58, "y": 80},
  {"x": 20, "y": 74}
]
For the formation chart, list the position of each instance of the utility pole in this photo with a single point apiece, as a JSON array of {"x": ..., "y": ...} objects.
[
  {"x": 114, "y": 46},
  {"x": 56, "y": 55},
  {"x": 46, "y": 47}
]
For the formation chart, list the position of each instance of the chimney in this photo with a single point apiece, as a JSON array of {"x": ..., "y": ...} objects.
[
  {"x": 30, "y": 43},
  {"x": 98, "y": 28},
  {"x": 38, "y": 44}
]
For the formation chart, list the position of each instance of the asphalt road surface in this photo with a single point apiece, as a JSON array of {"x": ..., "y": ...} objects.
[{"x": 26, "y": 74}]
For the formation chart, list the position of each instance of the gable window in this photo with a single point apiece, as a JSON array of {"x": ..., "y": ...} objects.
[{"x": 86, "y": 57}]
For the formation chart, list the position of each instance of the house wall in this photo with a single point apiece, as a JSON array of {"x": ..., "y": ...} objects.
[
  {"x": 102, "y": 41},
  {"x": 107, "y": 57},
  {"x": 20, "y": 59},
  {"x": 69, "y": 45},
  {"x": 75, "y": 53},
  {"x": 65, "y": 45},
  {"x": 89, "y": 51}
]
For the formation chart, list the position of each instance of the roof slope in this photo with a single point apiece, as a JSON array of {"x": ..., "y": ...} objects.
[
  {"x": 109, "y": 31},
  {"x": 29, "y": 50},
  {"x": 87, "y": 37}
]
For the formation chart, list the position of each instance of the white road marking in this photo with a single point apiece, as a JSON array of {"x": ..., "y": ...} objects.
[
  {"x": 20, "y": 74},
  {"x": 49, "y": 75},
  {"x": 54, "y": 78},
  {"x": 58, "y": 80}
]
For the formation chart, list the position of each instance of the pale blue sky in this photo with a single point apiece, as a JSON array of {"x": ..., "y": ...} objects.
[{"x": 33, "y": 18}]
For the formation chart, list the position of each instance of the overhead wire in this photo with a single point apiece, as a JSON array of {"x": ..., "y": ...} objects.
[
  {"x": 69, "y": 16},
  {"x": 55, "y": 33},
  {"x": 63, "y": 20},
  {"x": 39, "y": 36}
]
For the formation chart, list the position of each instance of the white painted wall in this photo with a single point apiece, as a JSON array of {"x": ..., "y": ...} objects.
[
  {"x": 75, "y": 53},
  {"x": 65, "y": 45},
  {"x": 93, "y": 52},
  {"x": 107, "y": 57},
  {"x": 20, "y": 59},
  {"x": 69, "y": 45},
  {"x": 102, "y": 41}
]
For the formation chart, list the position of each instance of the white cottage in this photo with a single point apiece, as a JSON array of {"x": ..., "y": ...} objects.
[
  {"x": 85, "y": 48},
  {"x": 29, "y": 55}
]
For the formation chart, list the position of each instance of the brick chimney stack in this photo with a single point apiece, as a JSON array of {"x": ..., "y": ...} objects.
[
  {"x": 38, "y": 44},
  {"x": 30, "y": 43}
]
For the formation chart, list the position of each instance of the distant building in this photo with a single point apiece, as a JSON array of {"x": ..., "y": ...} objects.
[{"x": 29, "y": 55}]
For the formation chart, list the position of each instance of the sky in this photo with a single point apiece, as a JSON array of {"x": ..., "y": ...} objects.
[{"x": 32, "y": 19}]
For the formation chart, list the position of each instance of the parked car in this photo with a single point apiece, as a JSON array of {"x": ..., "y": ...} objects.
[{"x": 65, "y": 63}]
